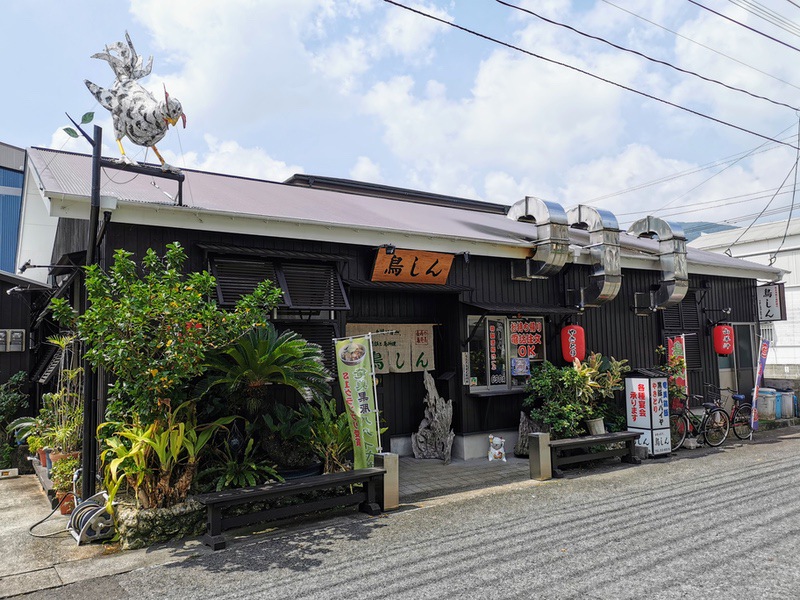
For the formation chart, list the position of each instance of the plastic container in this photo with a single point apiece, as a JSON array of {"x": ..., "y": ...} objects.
[
  {"x": 778, "y": 403},
  {"x": 788, "y": 400},
  {"x": 766, "y": 403}
]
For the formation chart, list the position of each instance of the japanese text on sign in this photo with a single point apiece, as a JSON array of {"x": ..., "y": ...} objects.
[
  {"x": 412, "y": 266},
  {"x": 527, "y": 338}
]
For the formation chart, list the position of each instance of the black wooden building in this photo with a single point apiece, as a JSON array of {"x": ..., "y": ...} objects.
[{"x": 532, "y": 267}]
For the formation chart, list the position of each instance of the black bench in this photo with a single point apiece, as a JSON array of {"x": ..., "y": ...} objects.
[
  {"x": 216, "y": 502},
  {"x": 542, "y": 468}
]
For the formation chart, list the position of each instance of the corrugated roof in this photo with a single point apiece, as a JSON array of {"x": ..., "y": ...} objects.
[
  {"x": 756, "y": 233},
  {"x": 67, "y": 175}
]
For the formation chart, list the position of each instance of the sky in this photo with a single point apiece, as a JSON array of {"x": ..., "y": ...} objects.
[{"x": 366, "y": 90}]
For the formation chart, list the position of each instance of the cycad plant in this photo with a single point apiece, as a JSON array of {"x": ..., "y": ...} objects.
[{"x": 263, "y": 358}]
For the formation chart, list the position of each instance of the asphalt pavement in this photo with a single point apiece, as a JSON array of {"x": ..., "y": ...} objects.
[{"x": 711, "y": 523}]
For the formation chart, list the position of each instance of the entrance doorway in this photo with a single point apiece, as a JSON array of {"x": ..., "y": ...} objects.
[{"x": 738, "y": 370}]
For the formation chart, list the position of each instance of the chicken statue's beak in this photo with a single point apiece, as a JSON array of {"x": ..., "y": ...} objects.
[{"x": 174, "y": 122}]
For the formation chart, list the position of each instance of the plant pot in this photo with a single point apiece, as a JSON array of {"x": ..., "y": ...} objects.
[
  {"x": 56, "y": 456},
  {"x": 42, "y": 456},
  {"x": 66, "y": 507},
  {"x": 595, "y": 426}
]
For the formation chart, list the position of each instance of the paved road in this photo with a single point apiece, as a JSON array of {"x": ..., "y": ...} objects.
[{"x": 707, "y": 524}]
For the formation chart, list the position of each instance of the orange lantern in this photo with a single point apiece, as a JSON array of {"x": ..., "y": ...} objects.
[
  {"x": 573, "y": 343},
  {"x": 723, "y": 339}
]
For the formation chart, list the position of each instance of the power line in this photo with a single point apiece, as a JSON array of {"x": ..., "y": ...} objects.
[
  {"x": 774, "y": 256},
  {"x": 710, "y": 204},
  {"x": 794, "y": 167},
  {"x": 766, "y": 14},
  {"x": 637, "y": 53},
  {"x": 793, "y": 3},
  {"x": 583, "y": 72},
  {"x": 709, "y": 48},
  {"x": 754, "y": 30},
  {"x": 686, "y": 173}
]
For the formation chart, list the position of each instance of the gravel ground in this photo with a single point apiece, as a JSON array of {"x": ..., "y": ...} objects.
[{"x": 706, "y": 524}]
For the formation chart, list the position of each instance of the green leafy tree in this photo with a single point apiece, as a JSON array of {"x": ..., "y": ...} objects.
[{"x": 152, "y": 328}]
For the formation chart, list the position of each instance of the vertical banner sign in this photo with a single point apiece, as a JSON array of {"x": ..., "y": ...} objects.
[
  {"x": 353, "y": 361},
  {"x": 676, "y": 348},
  {"x": 762, "y": 363}
]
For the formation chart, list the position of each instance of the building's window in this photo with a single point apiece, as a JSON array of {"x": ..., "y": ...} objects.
[
  {"x": 501, "y": 350},
  {"x": 768, "y": 332}
]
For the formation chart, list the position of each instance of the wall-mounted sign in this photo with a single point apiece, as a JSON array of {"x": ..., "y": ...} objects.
[
  {"x": 412, "y": 266},
  {"x": 406, "y": 349},
  {"x": 527, "y": 338},
  {"x": 3, "y": 340},
  {"x": 771, "y": 302}
]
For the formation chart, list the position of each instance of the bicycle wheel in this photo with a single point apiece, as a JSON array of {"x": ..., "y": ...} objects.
[
  {"x": 716, "y": 426},
  {"x": 677, "y": 430},
  {"x": 741, "y": 422}
]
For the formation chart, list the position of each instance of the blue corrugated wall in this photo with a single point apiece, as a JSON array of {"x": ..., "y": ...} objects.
[{"x": 10, "y": 205}]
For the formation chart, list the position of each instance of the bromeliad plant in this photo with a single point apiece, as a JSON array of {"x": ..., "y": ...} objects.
[
  {"x": 229, "y": 469},
  {"x": 158, "y": 462}
]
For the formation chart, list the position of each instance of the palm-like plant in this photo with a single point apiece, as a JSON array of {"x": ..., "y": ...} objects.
[{"x": 263, "y": 358}]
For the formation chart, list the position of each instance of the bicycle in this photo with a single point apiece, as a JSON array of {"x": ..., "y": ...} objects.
[
  {"x": 712, "y": 427},
  {"x": 741, "y": 411}
]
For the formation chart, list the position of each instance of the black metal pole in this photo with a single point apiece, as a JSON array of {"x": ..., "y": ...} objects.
[{"x": 89, "y": 448}]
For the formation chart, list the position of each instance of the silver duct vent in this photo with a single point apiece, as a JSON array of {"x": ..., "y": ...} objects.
[
  {"x": 606, "y": 277},
  {"x": 552, "y": 242},
  {"x": 672, "y": 255}
]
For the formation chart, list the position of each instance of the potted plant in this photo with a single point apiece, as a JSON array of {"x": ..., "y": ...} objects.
[
  {"x": 62, "y": 476},
  {"x": 607, "y": 376},
  {"x": 563, "y": 399}
]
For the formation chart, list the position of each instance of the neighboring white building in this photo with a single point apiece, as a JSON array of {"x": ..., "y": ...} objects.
[{"x": 778, "y": 245}]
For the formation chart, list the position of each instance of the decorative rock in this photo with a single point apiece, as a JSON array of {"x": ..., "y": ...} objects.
[
  {"x": 139, "y": 528},
  {"x": 526, "y": 426},
  {"x": 435, "y": 437}
]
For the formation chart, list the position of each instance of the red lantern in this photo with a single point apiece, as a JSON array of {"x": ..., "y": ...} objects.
[
  {"x": 723, "y": 339},
  {"x": 573, "y": 343}
]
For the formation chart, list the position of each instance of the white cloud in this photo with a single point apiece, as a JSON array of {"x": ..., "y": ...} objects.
[
  {"x": 231, "y": 158},
  {"x": 410, "y": 35},
  {"x": 366, "y": 170}
]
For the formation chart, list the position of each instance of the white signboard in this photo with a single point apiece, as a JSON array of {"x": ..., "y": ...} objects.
[
  {"x": 770, "y": 303},
  {"x": 647, "y": 410}
]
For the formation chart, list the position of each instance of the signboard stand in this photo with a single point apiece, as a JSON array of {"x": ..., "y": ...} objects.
[{"x": 647, "y": 409}]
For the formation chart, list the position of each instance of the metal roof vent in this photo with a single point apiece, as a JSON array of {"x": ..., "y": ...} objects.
[
  {"x": 672, "y": 256},
  {"x": 606, "y": 277},
  {"x": 552, "y": 231}
]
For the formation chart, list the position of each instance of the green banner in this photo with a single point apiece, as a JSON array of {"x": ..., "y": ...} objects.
[{"x": 354, "y": 363}]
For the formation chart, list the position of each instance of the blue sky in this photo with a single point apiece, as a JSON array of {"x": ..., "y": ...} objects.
[{"x": 366, "y": 90}]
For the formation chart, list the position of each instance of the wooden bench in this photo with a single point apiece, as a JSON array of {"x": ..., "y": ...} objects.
[
  {"x": 545, "y": 459},
  {"x": 217, "y": 502}
]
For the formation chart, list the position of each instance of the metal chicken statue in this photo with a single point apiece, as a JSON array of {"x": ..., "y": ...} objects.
[{"x": 135, "y": 111}]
